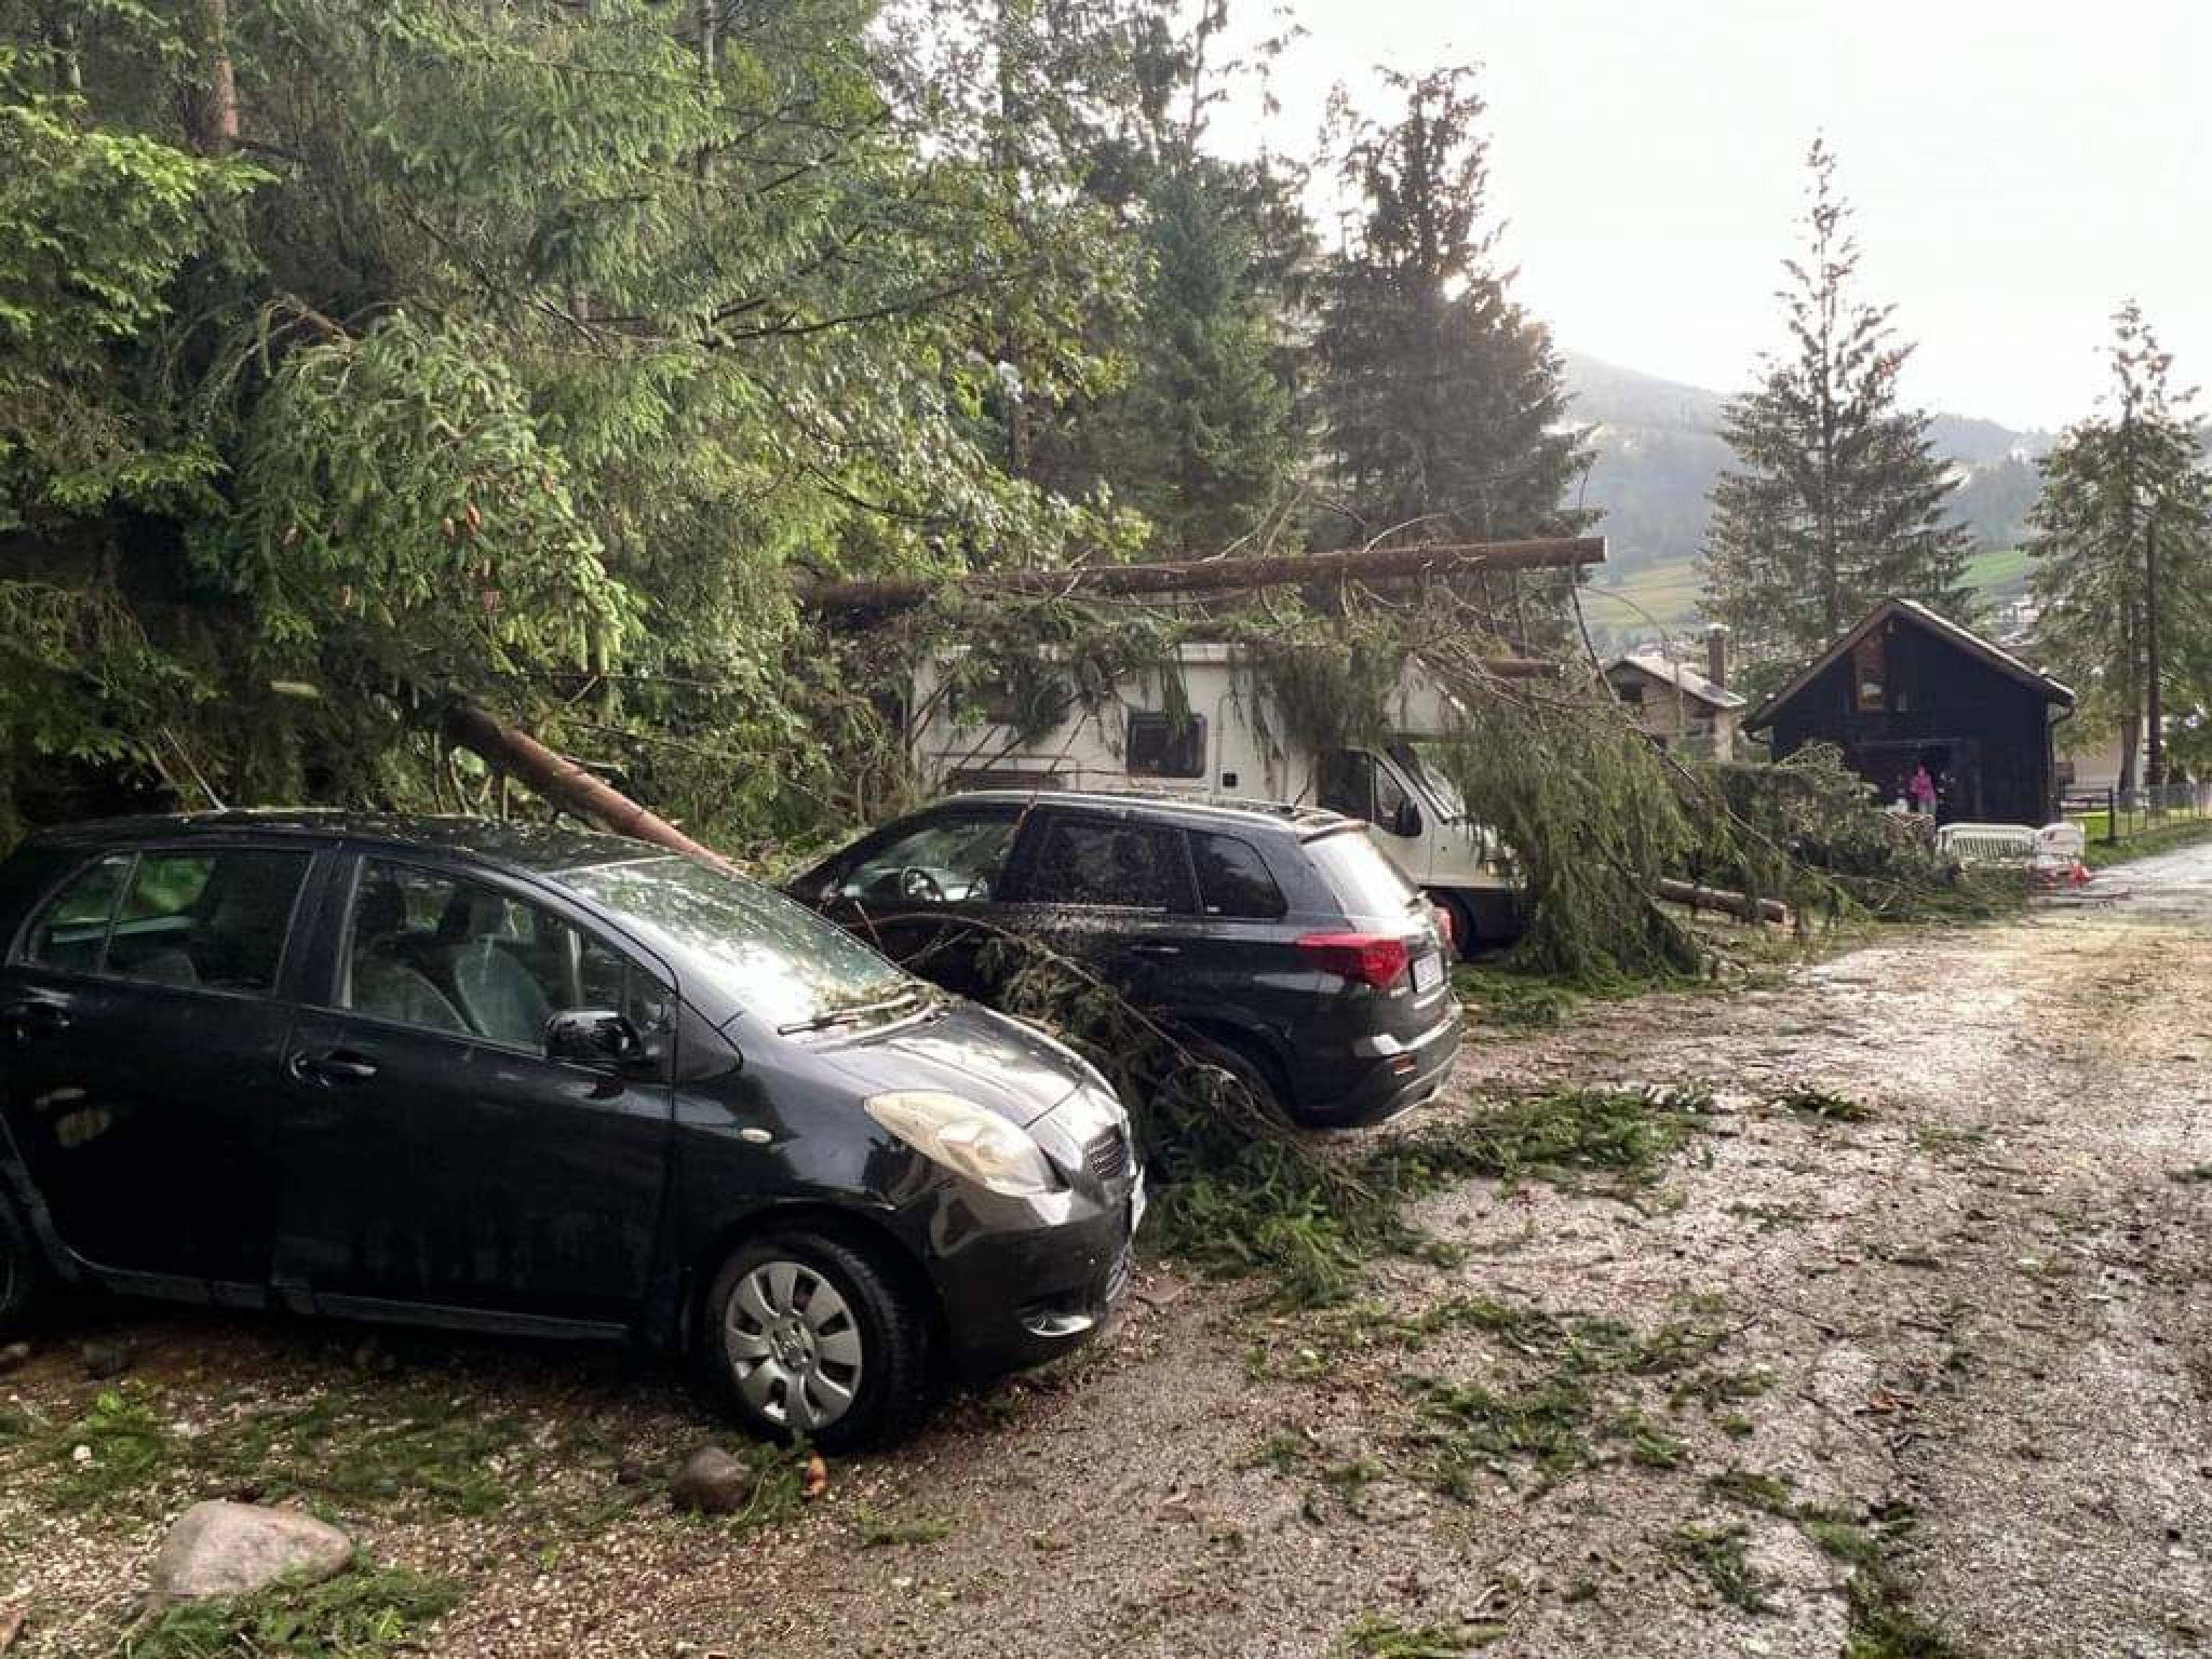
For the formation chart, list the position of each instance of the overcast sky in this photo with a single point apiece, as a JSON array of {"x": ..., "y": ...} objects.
[{"x": 2017, "y": 169}]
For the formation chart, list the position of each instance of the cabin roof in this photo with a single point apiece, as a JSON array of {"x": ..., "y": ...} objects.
[
  {"x": 1688, "y": 680},
  {"x": 1966, "y": 640}
]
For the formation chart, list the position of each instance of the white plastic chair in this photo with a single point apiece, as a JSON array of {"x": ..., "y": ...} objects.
[{"x": 1989, "y": 843}]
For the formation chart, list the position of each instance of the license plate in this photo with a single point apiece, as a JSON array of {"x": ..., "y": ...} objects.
[{"x": 1428, "y": 972}]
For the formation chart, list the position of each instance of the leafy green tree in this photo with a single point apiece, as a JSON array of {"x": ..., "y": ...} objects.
[
  {"x": 1444, "y": 413},
  {"x": 361, "y": 354},
  {"x": 2122, "y": 554},
  {"x": 1837, "y": 499}
]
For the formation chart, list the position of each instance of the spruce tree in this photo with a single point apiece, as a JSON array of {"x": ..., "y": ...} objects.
[
  {"x": 2122, "y": 553},
  {"x": 1199, "y": 431},
  {"x": 1444, "y": 411},
  {"x": 1837, "y": 500}
]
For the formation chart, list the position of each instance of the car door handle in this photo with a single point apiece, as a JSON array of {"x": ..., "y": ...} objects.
[
  {"x": 338, "y": 1066},
  {"x": 1155, "y": 948},
  {"x": 29, "y": 1021}
]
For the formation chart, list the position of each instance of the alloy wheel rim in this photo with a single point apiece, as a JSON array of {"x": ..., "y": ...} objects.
[{"x": 793, "y": 1346}]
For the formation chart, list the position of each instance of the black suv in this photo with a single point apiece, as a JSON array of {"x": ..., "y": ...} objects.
[
  {"x": 1279, "y": 937},
  {"x": 468, "y": 1073}
]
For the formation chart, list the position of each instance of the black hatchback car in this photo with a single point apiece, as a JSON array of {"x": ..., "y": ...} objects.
[
  {"x": 1279, "y": 941},
  {"x": 460, "y": 1073}
]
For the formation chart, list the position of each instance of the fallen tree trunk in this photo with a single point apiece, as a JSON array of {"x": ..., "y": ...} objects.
[
  {"x": 1721, "y": 898},
  {"x": 863, "y": 599},
  {"x": 558, "y": 780}
]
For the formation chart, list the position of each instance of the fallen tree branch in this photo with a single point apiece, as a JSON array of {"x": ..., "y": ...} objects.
[
  {"x": 565, "y": 784},
  {"x": 864, "y": 600}
]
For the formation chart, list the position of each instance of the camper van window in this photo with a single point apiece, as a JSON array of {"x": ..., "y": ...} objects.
[
  {"x": 1427, "y": 774},
  {"x": 1347, "y": 783},
  {"x": 1162, "y": 746},
  {"x": 951, "y": 859},
  {"x": 1352, "y": 784},
  {"x": 1024, "y": 699},
  {"x": 1233, "y": 881},
  {"x": 1126, "y": 866}
]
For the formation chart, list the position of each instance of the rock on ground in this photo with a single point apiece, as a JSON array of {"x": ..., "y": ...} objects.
[
  {"x": 712, "y": 1482},
  {"x": 221, "y": 1548}
]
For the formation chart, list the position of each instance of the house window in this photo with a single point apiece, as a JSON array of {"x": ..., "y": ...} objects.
[
  {"x": 1869, "y": 675},
  {"x": 1165, "y": 746}
]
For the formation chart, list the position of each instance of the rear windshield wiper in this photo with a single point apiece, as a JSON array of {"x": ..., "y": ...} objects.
[{"x": 852, "y": 1015}]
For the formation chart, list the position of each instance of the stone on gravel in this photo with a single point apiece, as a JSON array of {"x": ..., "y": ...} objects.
[
  {"x": 14, "y": 1355},
  {"x": 712, "y": 1482},
  {"x": 104, "y": 1359},
  {"x": 221, "y": 1548}
]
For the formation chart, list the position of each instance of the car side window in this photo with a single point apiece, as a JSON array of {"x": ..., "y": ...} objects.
[
  {"x": 71, "y": 932},
  {"x": 443, "y": 953},
  {"x": 1126, "y": 866},
  {"x": 215, "y": 921},
  {"x": 1233, "y": 882},
  {"x": 955, "y": 857}
]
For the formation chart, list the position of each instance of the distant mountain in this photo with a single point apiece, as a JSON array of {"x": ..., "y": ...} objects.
[{"x": 1659, "y": 450}]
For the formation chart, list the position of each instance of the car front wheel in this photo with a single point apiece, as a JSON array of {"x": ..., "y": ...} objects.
[{"x": 805, "y": 1337}]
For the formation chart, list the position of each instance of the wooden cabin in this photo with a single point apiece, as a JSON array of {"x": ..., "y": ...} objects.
[{"x": 1907, "y": 688}]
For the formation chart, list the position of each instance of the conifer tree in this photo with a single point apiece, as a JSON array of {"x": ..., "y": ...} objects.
[
  {"x": 1837, "y": 499},
  {"x": 1444, "y": 411},
  {"x": 2122, "y": 553}
]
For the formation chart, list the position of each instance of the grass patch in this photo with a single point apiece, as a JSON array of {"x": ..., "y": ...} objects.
[
  {"x": 1823, "y": 1105},
  {"x": 2165, "y": 838},
  {"x": 1614, "y": 1141},
  {"x": 1372, "y": 1636},
  {"x": 1579, "y": 1406},
  {"x": 883, "y": 1532},
  {"x": 1248, "y": 1199},
  {"x": 1516, "y": 1001},
  {"x": 363, "y": 1614},
  {"x": 377, "y": 1448},
  {"x": 1883, "y": 1624},
  {"x": 1720, "y": 1555},
  {"x": 1769, "y": 1493},
  {"x": 108, "y": 1456},
  {"x": 1946, "y": 1140},
  {"x": 398, "y": 1444}
]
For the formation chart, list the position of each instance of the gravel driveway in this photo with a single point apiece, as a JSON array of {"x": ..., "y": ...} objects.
[{"x": 1954, "y": 1349}]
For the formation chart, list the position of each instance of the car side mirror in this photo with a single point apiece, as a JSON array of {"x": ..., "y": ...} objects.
[
  {"x": 1406, "y": 820},
  {"x": 594, "y": 1036}
]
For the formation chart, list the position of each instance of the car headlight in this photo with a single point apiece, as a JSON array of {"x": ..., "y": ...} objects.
[{"x": 968, "y": 1139}]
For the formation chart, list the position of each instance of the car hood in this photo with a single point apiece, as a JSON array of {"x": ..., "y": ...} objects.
[{"x": 967, "y": 1051}]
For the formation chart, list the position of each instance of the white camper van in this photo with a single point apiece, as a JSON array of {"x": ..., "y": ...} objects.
[{"x": 1220, "y": 739}]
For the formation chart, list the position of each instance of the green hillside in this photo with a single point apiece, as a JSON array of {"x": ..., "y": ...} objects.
[{"x": 1664, "y": 595}]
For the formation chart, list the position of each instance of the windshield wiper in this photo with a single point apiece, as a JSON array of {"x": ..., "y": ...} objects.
[{"x": 853, "y": 1015}]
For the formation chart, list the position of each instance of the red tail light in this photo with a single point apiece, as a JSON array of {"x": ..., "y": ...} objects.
[{"x": 1373, "y": 959}]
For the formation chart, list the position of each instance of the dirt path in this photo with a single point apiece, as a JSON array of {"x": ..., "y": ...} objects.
[{"x": 1960, "y": 1351}]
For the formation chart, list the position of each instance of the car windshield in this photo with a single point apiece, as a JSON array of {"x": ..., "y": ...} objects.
[
  {"x": 1365, "y": 883},
  {"x": 780, "y": 960},
  {"x": 1431, "y": 779}
]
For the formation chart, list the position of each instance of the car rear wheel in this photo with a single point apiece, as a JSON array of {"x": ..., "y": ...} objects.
[
  {"x": 22, "y": 1274},
  {"x": 1245, "y": 1072},
  {"x": 805, "y": 1337}
]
